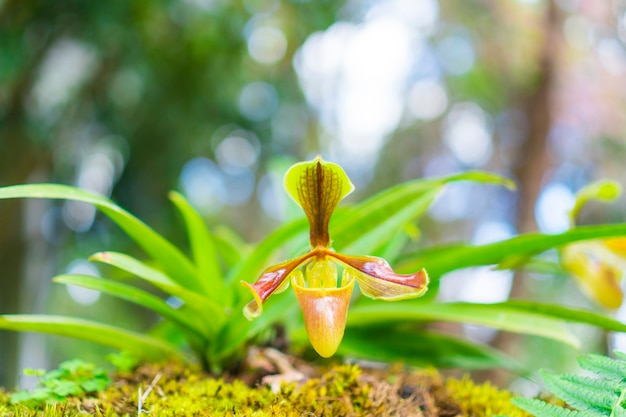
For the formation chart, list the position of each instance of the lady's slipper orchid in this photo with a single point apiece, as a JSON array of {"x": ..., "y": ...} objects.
[
  {"x": 318, "y": 186},
  {"x": 597, "y": 266}
]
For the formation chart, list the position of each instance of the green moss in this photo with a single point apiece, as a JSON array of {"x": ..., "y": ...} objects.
[
  {"x": 482, "y": 400},
  {"x": 345, "y": 390}
]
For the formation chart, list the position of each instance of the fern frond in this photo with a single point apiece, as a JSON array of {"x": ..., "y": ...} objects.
[
  {"x": 539, "y": 408},
  {"x": 581, "y": 397},
  {"x": 618, "y": 412},
  {"x": 594, "y": 383},
  {"x": 604, "y": 396},
  {"x": 604, "y": 366}
]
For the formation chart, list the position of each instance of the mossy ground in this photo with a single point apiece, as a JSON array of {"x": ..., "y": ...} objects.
[{"x": 343, "y": 390}]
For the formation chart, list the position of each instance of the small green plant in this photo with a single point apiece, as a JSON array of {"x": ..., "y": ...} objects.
[
  {"x": 73, "y": 378},
  {"x": 603, "y": 394},
  {"x": 209, "y": 326}
]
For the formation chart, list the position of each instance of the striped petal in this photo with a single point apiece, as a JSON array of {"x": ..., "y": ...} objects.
[
  {"x": 325, "y": 312},
  {"x": 377, "y": 280},
  {"x": 317, "y": 186},
  {"x": 271, "y": 281}
]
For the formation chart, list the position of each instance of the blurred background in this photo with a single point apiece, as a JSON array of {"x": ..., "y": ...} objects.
[{"x": 216, "y": 98}]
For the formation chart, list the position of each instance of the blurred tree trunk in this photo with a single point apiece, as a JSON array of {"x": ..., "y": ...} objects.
[
  {"x": 532, "y": 166},
  {"x": 18, "y": 159},
  {"x": 16, "y": 162}
]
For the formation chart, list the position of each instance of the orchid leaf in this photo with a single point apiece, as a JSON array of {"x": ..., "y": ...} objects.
[
  {"x": 240, "y": 329},
  {"x": 203, "y": 248},
  {"x": 420, "y": 348},
  {"x": 136, "y": 296},
  {"x": 439, "y": 261},
  {"x": 212, "y": 315},
  {"x": 169, "y": 257},
  {"x": 258, "y": 259},
  {"x": 392, "y": 209},
  {"x": 103, "y": 334},
  {"x": 498, "y": 316},
  {"x": 230, "y": 246}
]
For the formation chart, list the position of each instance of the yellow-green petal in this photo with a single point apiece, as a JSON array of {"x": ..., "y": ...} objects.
[
  {"x": 318, "y": 186},
  {"x": 603, "y": 190},
  {"x": 325, "y": 312},
  {"x": 596, "y": 270}
]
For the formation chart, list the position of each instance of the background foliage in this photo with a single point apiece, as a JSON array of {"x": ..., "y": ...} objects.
[{"x": 215, "y": 98}]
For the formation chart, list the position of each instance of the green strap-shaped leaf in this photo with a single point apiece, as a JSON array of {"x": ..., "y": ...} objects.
[
  {"x": 203, "y": 249},
  {"x": 439, "y": 261},
  {"x": 258, "y": 260},
  {"x": 211, "y": 315},
  {"x": 422, "y": 349},
  {"x": 497, "y": 316},
  {"x": 173, "y": 261},
  {"x": 230, "y": 246},
  {"x": 365, "y": 227},
  {"x": 103, "y": 334},
  {"x": 135, "y": 296},
  {"x": 574, "y": 315},
  {"x": 240, "y": 330}
]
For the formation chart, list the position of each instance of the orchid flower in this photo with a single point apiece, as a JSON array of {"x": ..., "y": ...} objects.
[
  {"x": 597, "y": 265},
  {"x": 317, "y": 187}
]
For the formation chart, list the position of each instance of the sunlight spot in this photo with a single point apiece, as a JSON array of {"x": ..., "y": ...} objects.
[
  {"x": 467, "y": 134},
  {"x": 612, "y": 56},
  {"x": 578, "y": 32},
  {"x": 270, "y": 194},
  {"x": 267, "y": 44},
  {"x": 66, "y": 66},
  {"x": 81, "y": 295},
  {"x": 258, "y": 101},
  {"x": 237, "y": 152},
  {"x": 456, "y": 54},
  {"x": 422, "y": 14},
  {"x": 453, "y": 203},
  {"x": 238, "y": 185},
  {"x": 202, "y": 183},
  {"x": 492, "y": 231},
  {"x": 552, "y": 207},
  {"x": 427, "y": 100}
]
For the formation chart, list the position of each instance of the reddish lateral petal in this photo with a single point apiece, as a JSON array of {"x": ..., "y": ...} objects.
[
  {"x": 270, "y": 282},
  {"x": 325, "y": 312},
  {"x": 377, "y": 280}
]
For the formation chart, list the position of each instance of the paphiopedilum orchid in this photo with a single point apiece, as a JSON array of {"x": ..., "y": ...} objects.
[
  {"x": 318, "y": 186},
  {"x": 597, "y": 265}
]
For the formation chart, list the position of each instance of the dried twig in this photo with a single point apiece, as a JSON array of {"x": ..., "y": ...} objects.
[{"x": 142, "y": 397}]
